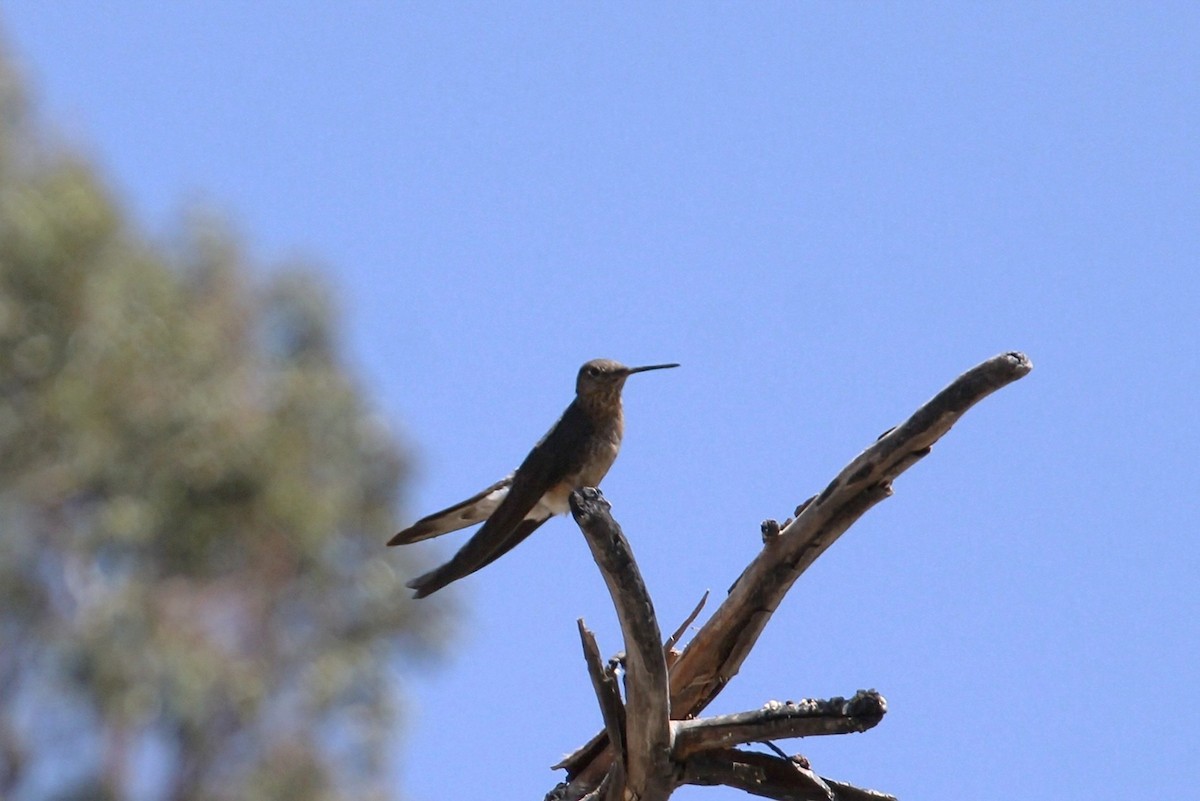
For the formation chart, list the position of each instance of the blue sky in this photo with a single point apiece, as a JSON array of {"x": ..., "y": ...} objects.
[{"x": 825, "y": 212}]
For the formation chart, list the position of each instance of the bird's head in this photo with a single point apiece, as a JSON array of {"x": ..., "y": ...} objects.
[{"x": 603, "y": 377}]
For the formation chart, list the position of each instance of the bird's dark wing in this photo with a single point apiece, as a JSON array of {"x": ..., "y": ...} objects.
[
  {"x": 473, "y": 510},
  {"x": 465, "y": 563},
  {"x": 555, "y": 457}
]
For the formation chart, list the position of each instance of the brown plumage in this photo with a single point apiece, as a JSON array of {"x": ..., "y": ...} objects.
[{"x": 576, "y": 452}]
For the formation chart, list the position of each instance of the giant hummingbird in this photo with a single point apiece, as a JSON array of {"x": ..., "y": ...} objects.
[{"x": 576, "y": 452}]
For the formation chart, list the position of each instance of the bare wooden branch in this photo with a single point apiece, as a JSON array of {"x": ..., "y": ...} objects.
[
  {"x": 770, "y": 776},
  {"x": 677, "y": 635},
  {"x": 848, "y": 792},
  {"x": 777, "y": 721},
  {"x": 648, "y": 768},
  {"x": 608, "y": 694},
  {"x": 597, "y": 744},
  {"x": 756, "y": 773},
  {"x": 693, "y": 740},
  {"x": 613, "y": 786},
  {"x": 716, "y": 652}
]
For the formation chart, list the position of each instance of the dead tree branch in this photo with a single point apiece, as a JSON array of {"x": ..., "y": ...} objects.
[
  {"x": 648, "y": 710},
  {"x": 677, "y": 635},
  {"x": 608, "y": 694},
  {"x": 654, "y": 773},
  {"x": 770, "y": 776},
  {"x": 778, "y": 721}
]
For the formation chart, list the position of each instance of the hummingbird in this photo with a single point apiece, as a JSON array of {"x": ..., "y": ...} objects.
[{"x": 577, "y": 451}]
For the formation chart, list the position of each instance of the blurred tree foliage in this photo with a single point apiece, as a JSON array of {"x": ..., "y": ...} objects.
[{"x": 194, "y": 598}]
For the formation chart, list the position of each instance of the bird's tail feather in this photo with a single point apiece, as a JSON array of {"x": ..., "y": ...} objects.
[
  {"x": 473, "y": 510},
  {"x": 472, "y": 557}
]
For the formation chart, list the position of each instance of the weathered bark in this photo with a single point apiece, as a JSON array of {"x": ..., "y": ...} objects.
[
  {"x": 647, "y": 709},
  {"x": 771, "y": 776},
  {"x": 608, "y": 694},
  {"x": 777, "y": 721}
]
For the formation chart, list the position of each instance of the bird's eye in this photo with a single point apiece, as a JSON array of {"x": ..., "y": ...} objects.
[{"x": 593, "y": 371}]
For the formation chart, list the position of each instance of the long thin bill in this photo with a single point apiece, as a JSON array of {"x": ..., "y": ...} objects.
[{"x": 633, "y": 370}]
